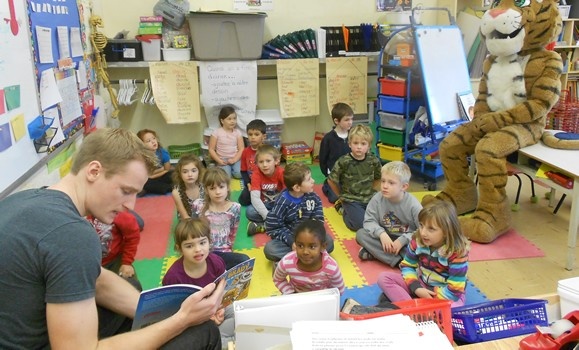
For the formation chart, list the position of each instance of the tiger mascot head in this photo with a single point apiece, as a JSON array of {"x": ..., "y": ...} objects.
[{"x": 519, "y": 26}]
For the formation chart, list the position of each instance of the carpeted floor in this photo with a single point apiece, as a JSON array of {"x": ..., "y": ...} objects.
[{"x": 156, "y": 250}]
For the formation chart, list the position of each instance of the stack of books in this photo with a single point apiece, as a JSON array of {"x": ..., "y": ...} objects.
[
  {"x": 150, "y": 25},
  {"x": 298, "y": 44}
]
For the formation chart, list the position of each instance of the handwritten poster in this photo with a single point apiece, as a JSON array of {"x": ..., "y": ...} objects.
[
  {"x": 229, "y": 83},
  {"x": 298, "y": 84},
  {"x": 176, "y": 90},
  {"x": 346, "y": 79}
]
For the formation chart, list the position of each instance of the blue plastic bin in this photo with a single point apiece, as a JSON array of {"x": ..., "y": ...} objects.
[{"x": 498, "y": 319}]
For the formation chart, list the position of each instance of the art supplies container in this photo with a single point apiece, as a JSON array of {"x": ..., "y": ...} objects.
[
  {"x": 176, "y": 54},
  {"x": 176, "y": 151},
  {"x": 123, "y": 50},
  {"x": 419, "y": 310},
  {"x": 568, "y": 290},
  {"x": 151, "y": 46},
  {"x": 498, "y": 319},
  {"x": 226, "y": 36}
]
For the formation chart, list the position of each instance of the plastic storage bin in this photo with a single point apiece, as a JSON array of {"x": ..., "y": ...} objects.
[
  {"x": 176, "y": 54},
  {"x": 151, "y": 49},
  {"x": 397, "y": 87},
  {"x": 392, "y": 121},
  {"x": 498, "y": 319},
  {"x": 391, "y": 137},
  {"x": 568, "y": 290},
  {"x": 123, "y": 50},
  {"x": 419, "y": 310},
  {"x": 226, "y": 36},
  {"x": 390, "y": 153},
  {"x": 397, "y": 105}
]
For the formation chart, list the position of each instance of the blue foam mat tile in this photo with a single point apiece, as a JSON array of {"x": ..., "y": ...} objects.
[
  {"x": 474, "y": 295},
  {"x": 366, "y": 295}
]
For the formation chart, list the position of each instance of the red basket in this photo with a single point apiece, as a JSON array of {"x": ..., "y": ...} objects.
[
  {"x": 565, "y": 114},
  {"x": 419, "y": 310}
]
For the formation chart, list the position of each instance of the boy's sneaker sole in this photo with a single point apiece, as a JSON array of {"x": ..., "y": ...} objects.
[
  {"x": 254, "y": 228},
  {"x": 338, "y": 207},
  {"x": 365, "y": 255}
]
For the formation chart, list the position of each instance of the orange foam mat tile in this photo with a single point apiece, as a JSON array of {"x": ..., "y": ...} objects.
[{"x": 336, "y": 224}]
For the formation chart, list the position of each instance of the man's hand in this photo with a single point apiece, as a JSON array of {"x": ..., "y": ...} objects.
[
  {"x": 200, "y": 306},
  {"x": 424, "y": 293},
  {"x": 218, "y": 317}
]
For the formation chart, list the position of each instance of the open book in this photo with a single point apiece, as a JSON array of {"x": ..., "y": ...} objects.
[{"x": 159, "y": 303}]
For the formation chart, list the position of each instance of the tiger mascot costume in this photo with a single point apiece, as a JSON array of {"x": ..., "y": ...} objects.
[{"x": 519, "y": 85}]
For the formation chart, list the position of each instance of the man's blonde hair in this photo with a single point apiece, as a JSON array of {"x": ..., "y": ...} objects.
[
  {"x": 113, "y": 148},
  {"x": 397, "y": 168},
  {"x": 361, "y": 131}
]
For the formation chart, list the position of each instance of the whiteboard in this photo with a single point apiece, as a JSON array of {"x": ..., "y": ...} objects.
[
  {"x": 17, "y": 69},
  {"x": 444, "y": 69}
]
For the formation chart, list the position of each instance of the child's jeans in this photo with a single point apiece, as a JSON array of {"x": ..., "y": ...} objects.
[
  {"x": 374, "y": 247},
  {"x": 276, "y": 249},
  {"x": 233, "y": 170},
  {"x": 354, "y": 214},
  {"x": 394, "y": 287},
  {"x": 327, "y": 190},
  {"x": 252, "y": 214}
]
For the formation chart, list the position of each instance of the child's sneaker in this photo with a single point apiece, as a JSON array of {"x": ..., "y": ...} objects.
[
  {"x": 365, "y": 255},
  {"x": 254, "y": 228},
  {"x": 338, "y": 207}
]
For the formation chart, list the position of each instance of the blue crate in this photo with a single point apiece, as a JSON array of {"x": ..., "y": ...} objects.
[
  {"x": 398, "y": 105},
  {"x": 498, "y": 319},
  {"x": 39, "y": 126}
]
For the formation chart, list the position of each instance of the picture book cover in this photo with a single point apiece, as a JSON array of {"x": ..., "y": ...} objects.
[
  {"x": 466, "y": 102},
  {"x": 159, "y": 303}
]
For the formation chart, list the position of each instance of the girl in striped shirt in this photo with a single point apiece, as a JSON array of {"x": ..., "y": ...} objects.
[
  {"x": 308, "y": 267},
  {"x": 436, "y": 261}
]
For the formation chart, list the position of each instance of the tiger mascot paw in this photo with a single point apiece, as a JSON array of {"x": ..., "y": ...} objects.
[{"x": 483, "y": 226}]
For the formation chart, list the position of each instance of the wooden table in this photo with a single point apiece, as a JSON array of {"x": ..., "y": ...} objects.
[{"x": 566, "y": 162}]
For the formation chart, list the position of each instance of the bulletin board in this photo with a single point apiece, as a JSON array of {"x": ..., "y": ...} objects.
[
  {"x": 19, "y": 104},
  {"x": 20, "y": 98}
]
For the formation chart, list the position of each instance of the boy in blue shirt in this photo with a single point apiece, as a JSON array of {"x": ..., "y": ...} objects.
[
  {"x": 295, "y": 204},
  {"x": 335, "y": 144}
]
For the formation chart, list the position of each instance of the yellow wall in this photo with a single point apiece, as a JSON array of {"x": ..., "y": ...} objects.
[{"x": 287, "y": 16}]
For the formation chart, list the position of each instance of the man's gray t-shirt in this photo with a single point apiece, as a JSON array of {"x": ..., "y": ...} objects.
[{"x": 50, "y": 254}]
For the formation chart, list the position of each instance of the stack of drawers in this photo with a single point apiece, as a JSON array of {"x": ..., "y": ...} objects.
[{"x": 395, "y": 105}]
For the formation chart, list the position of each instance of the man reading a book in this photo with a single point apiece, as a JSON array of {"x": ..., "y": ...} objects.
[{"x": 52, "y": 281}]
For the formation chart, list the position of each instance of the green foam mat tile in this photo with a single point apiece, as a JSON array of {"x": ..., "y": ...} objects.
[{"x": 148, "y": 272}]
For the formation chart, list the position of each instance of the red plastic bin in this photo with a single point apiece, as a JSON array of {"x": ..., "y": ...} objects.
[
  {"x": 419, "y": 310},
  {"x": 498, "y": 319},
  {"x": 395, "y": 87}
]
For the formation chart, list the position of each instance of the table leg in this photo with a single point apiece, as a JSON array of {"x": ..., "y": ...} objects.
[{"x": 573, "y": 225}]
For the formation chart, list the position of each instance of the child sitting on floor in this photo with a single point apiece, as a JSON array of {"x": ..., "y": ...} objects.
[
  {"x": 309, "y": 267},
  {"x": 160, "y": 182},
  {"x": 298, "y": 202},
  {"x": 198, "y": 266},
  {"x": 266, "y": 185},
  {"x": 226, "y": 143},
  {"x": 436, "y": 261},
  {"x": 355, "y": 177},
  {"x": 391, "y": 217},
  {"x": 188, "y": 176},
  {"x": 223, "y": 215},
  {"x": 255, "y": 136}
]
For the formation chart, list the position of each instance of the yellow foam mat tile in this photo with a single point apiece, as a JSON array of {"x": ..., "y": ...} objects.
[
  {"x": 235, "y": 185},
  {"x": 261, "y": 281},
  {"x": 336, "y": 224},
  {"x": 419, "y": 195},
  {"x": 167, "y": 262},
  {"x": 350, "y": 272}
]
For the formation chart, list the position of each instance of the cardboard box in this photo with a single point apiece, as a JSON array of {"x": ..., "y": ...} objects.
[{"x": 299, "y": 147}]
